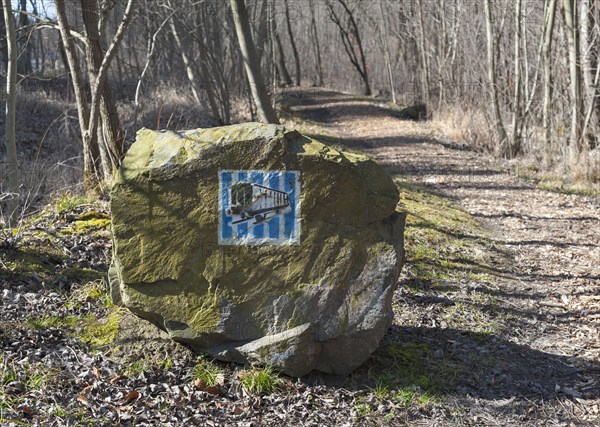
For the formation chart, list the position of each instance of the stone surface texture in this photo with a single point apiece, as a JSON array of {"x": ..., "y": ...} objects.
[{"x": 322, "y": 304}]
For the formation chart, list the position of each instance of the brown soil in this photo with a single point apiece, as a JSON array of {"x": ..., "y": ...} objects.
[{"x": 542, "y": 366}]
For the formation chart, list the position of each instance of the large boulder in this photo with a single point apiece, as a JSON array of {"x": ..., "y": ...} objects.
[{"x": 253, "y": 243}]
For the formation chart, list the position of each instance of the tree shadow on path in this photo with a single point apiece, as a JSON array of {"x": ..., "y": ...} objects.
[{"x": 439, "y": 360}]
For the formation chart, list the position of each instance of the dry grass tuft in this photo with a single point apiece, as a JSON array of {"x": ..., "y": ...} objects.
[{"x": 464, "y": 126}]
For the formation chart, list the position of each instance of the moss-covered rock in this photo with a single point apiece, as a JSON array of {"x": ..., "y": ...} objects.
[{"x": 319, "y": 301}]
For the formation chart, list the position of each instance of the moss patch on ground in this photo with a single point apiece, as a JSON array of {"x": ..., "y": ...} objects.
[
  {"x": 444, "y": 244},
  {"x": 101, "y": 333},
  {"x": 448, "y": 256},
  {"x": 444, "y": 289}
]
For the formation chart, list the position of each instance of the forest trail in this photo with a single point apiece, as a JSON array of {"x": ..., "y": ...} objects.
[{"x": 543, "y": 260}]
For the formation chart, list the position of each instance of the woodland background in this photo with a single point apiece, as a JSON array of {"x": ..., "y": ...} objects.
[{"x": 516, "y": 78}]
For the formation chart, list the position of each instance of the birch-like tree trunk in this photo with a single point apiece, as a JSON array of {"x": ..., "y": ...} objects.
[
  {"x": 572, "y": 30},
  {"x": 386, "y": 51},
  {"x": 512, "y": 148},
  {"x": 547, "y": 97},
  {"x": 491, "y": 54},
  {"x": 12, "y": 163},
  {"x": 590, "y": 93},
  {"x": 423, "y": 59},
  {"x": 266, "y": 112},
  {"x": 190, "y": 67}
]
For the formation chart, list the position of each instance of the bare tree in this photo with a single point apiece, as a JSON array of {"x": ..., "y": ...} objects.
[
  {"x": 315, "y": 43},
  {"x": 112, "y": 147},
  {"x": 97, "y": 166},
  {"x": 351, "y": 39},
  {"x": 210, "y": 79},
  {"x": 591, "y": 98},
  {"x": 24, "y": 57},
  {"x": 277, "y": 48},
  {"x": 13, "y": 171},
  {"x": 386, "y": 50},
  {"x": 261, "y": 97},
  {"x": 190, "y": 66},
  {"x": 512, "y": 148},
  {"x": 572, "y": 31},
  {"x": 91, "y": 152},
  {"x": 292, "y": 43},
  {"x": 423, "y": 55},
  {"x": 491, "y": 55},
  {"x": 3, "y": 42},
  {"x": 547, "y": 97}
]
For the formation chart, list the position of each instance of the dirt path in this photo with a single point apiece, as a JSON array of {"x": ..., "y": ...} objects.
[{"x": 541, "y": 364}]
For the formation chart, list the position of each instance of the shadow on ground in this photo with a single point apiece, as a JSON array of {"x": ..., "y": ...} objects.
[
  {"x": 445, "y": 361},
  {"x": 442, "y": 361}
]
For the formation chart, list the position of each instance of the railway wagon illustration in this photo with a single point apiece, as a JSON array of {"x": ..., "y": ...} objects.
[{"x": 254, "y": 201}]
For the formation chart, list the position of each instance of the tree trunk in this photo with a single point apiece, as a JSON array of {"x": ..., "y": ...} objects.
[
  {"x": 574, "y": 74},
  {"x": 500, "y": 130},
  {"x": 112, "y": 148},
  {"x": 425, "y": 86},
  {"x": 190, "y": 70},
  {"x": 257, "y": 85},
  {"x": 24, "y": 58},
  {"x": 3, "y": 48},
  {"x": 589, "y": 89},
  {"x": 101, "y": 104},
  {"x": 208, "y": 80},
  {"x": 91, "y": 152},
  {"x": 316, "y": 47},
  {"x": 293, "y": 43},
  {"x": 284, "y": 75},
  {"x": 101, "y": 98},
  {"x": 151, "y": 48},
  {"x": 350, "y": 38},
  {"x": 263, "y": 31},
  {"x": 12, "y": 163},
  {"x": 547, "y": 100},
  {"x": 511, "y": 149},
  {"x": 386, "y": 51}
]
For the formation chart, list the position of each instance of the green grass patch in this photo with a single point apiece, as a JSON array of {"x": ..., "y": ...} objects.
[
  {"x": 558, "y": 183},
  {"x": 91, "y": 291},
  {"x": 31, "y": 261},
  {"x": 67, "y": 202},
  {"x": 580, "y": 189},
  {"x": 17, "y": 380},
  {"x": 208, "y": 372},
  {"x": 60, "y": 322},
  {"x": 260, "y": 380},
  {"x": 404, "y": 375},
  {"x": 363, "y": 410}
]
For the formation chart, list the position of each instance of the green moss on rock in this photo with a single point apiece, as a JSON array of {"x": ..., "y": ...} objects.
[{"x": 169, "y": 268}]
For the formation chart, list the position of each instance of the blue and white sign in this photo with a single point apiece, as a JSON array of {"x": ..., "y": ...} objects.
[{"x": 259, "y": 207}]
